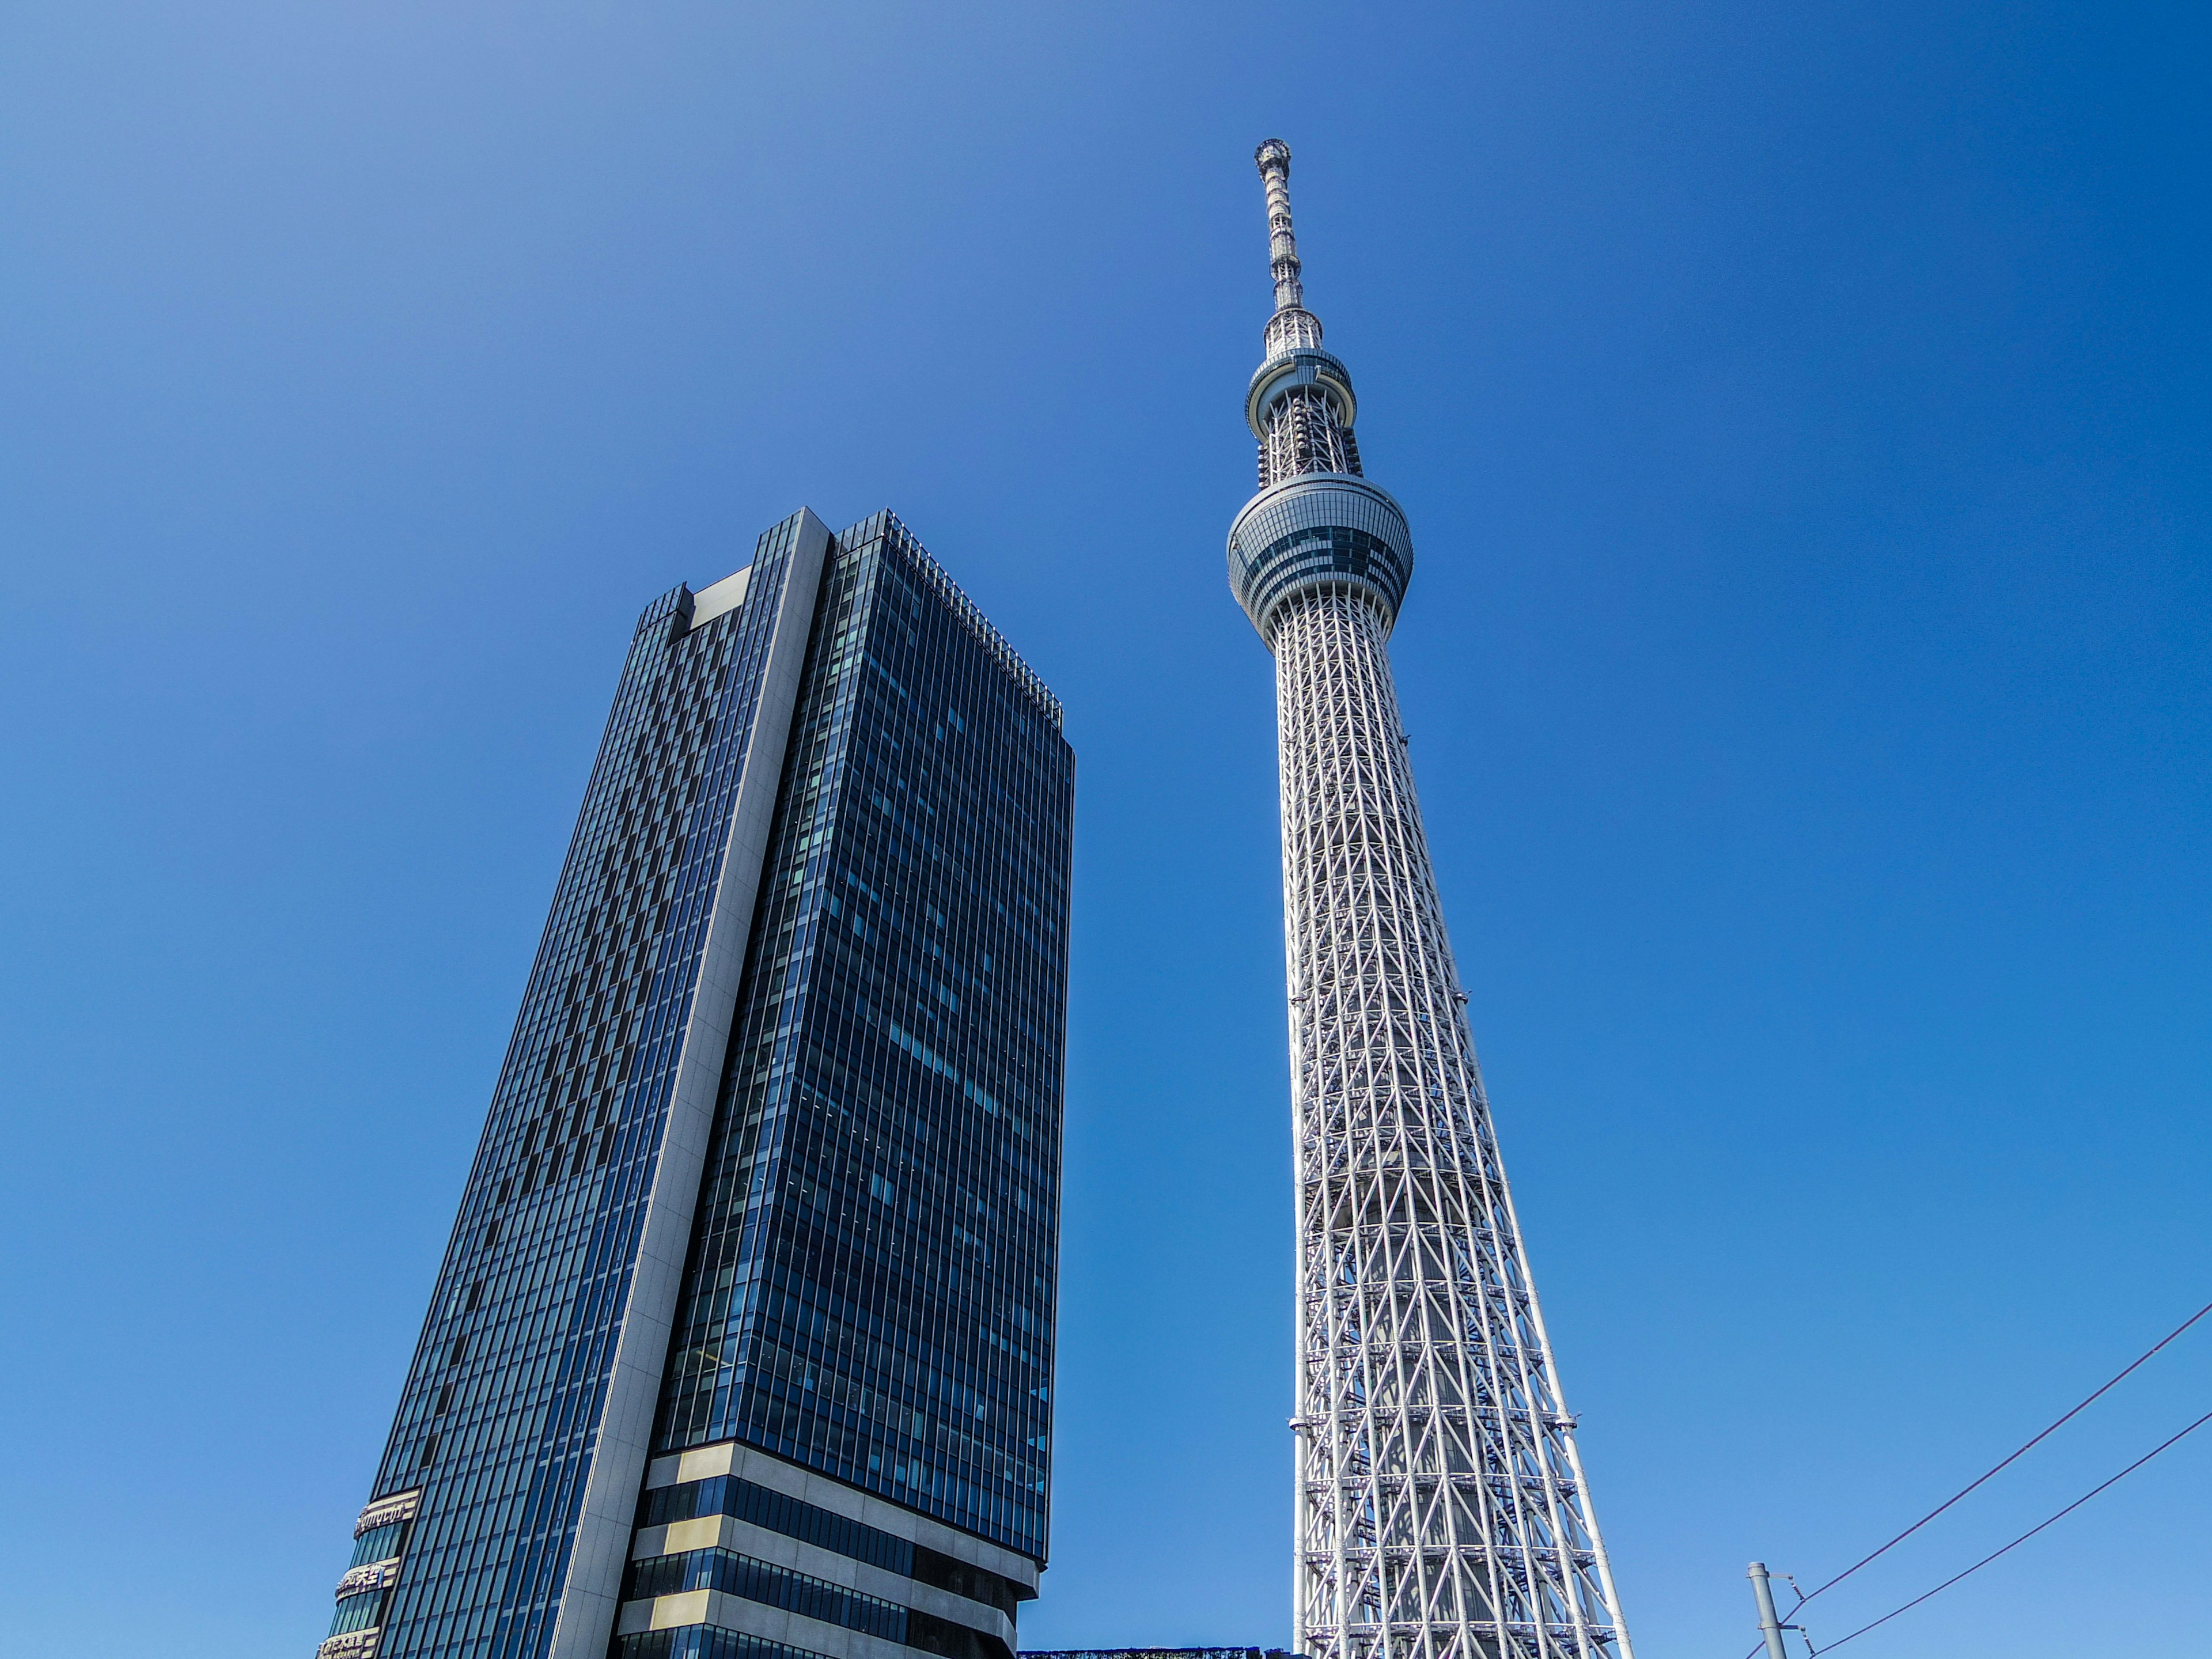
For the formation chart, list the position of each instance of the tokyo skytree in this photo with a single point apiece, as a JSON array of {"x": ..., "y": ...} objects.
[{"x": 1441, "y": 1509}]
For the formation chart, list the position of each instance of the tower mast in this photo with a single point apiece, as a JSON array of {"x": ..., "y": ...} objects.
[{"x": 1441, "y": 1510}]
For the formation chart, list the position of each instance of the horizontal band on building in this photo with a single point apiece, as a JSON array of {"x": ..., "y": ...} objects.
[{"x": 831, "y": 1499}]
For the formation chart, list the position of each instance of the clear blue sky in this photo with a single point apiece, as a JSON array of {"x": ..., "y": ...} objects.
[{"x": 1802, "y": 414}]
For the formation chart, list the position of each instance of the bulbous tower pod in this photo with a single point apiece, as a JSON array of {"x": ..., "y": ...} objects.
[{"x": 1441, "y": 1510}]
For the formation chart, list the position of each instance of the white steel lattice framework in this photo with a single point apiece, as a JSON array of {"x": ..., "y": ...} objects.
[{"x": 1442, "y": 1512}]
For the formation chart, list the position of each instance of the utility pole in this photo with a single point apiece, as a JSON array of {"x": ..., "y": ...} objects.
[{"x": 1770, "y": 1622}]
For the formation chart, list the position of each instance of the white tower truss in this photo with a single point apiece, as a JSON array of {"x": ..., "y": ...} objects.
[{"x": 1441, "y": 1510}]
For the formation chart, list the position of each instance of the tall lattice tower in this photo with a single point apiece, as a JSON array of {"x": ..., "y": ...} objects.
[{"x": 1442, "y": 1512}]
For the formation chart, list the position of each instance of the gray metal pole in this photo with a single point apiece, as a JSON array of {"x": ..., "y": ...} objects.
[{"x": 1770, "y": 1622}]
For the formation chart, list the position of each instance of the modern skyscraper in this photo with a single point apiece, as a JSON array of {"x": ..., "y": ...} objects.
[
  {"x": 742, "y": 1348},
  {"x": 1441, "y": 1510}
]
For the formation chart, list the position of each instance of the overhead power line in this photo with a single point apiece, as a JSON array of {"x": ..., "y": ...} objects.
[
  {"x": 1998, "y": 1469},
  {"x": 2015, "y": 1457},
  {"x": 2018, "y": 1541}
]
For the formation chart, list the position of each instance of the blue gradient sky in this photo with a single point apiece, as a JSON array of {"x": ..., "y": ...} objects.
[{"x": 1802, "y": 415}]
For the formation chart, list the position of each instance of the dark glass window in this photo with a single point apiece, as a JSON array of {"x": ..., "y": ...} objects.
[
  {"x": 707, "y": 1642},
  {"x": 703, "y": 1642},
  {"x": 357, "y": 1612},
  {"x": 963, "y": 1579},
  {"x": 775, "y": 1586},
  {"x": 379, "y": 1544},
  {"x": 725, "y": 1494}
]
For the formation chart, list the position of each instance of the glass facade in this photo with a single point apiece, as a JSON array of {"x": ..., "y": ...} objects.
[
  {"x": 868, "y": 1287},
  {"x": 871, "y": 1289}
]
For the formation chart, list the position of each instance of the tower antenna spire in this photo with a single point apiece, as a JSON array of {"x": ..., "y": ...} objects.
[{"x": 1274, "y": 160}]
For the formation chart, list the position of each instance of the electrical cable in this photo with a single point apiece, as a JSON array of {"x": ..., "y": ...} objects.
[
  {"x": 1998, "y": 1468},
  {"x": 2022, "y": 1539}
]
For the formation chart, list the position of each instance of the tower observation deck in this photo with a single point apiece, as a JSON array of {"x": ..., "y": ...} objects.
[{"x": 1441, "y": 1511}]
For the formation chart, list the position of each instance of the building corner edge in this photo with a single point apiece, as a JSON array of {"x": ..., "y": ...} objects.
[{"x": 591, "y": 1594}]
